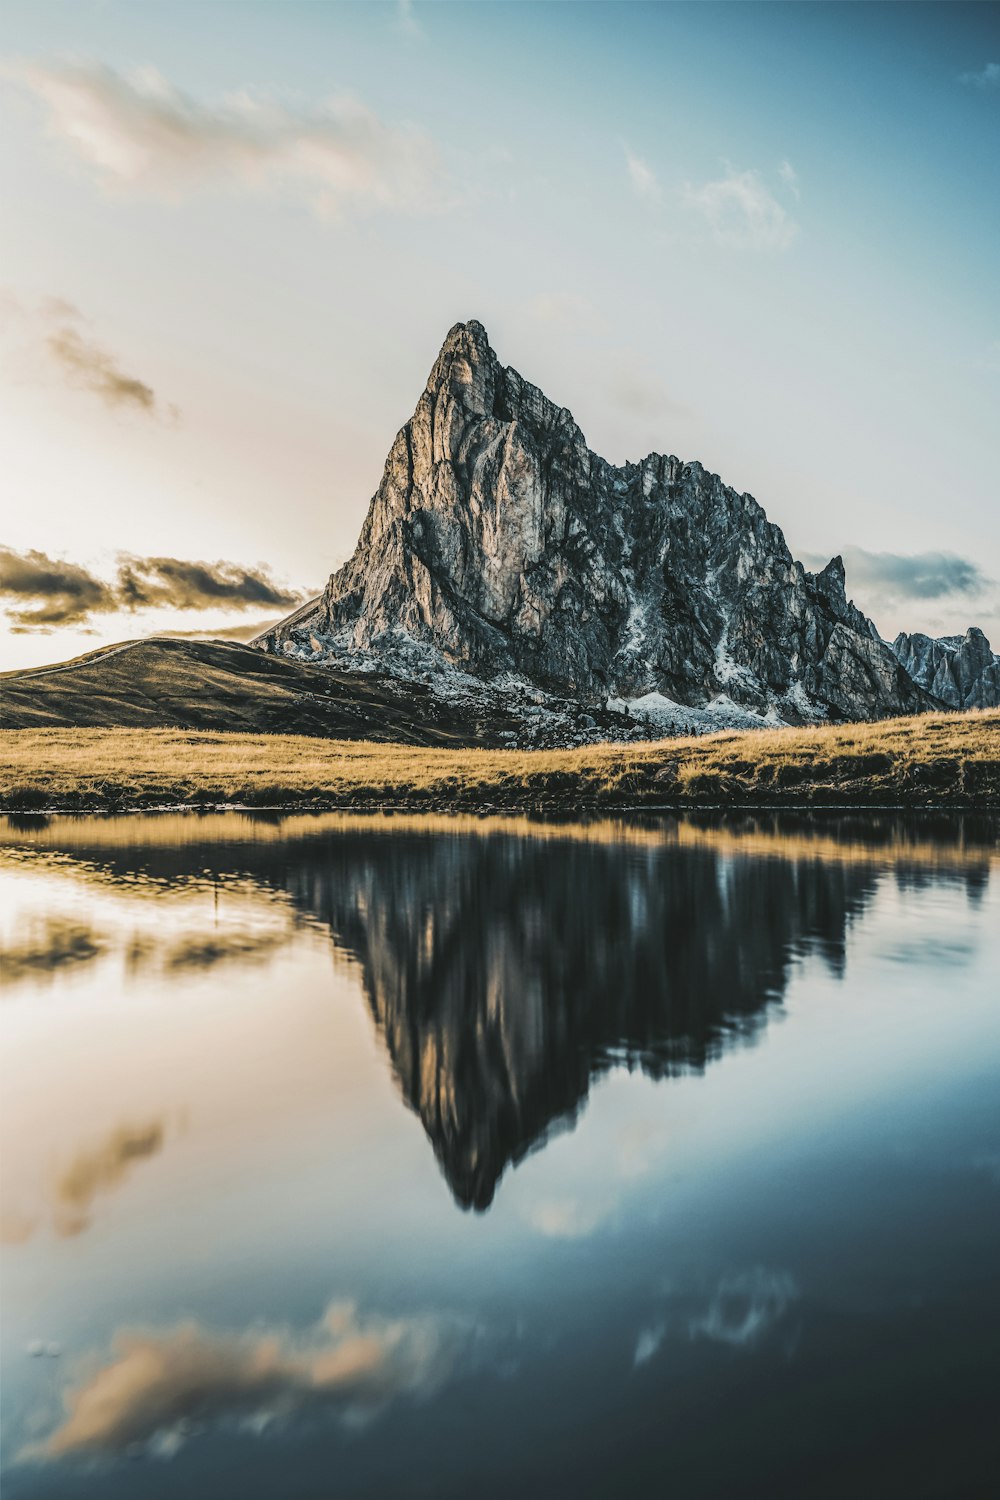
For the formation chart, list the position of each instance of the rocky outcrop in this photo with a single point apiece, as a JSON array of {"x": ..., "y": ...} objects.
[
  {"x": 499, "y": 543},
  {"x": 961, "y": 671}
]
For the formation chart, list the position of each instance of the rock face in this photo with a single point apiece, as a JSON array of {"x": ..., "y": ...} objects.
[
  {"x": 500, "y": 543},
  {"x": 962, "y": 671}
]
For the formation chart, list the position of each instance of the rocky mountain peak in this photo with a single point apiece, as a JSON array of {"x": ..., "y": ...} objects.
[
  {"x": 960, "y": 671},
  {"x": 500, "y": 544}
]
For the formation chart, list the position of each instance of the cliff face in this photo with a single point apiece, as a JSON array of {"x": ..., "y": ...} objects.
[
  {"x": 499, "y": 541},
  {"x": 961, "y": 671}
]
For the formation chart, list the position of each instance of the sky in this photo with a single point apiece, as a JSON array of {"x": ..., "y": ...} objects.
[{"x": 235, "y": 235}]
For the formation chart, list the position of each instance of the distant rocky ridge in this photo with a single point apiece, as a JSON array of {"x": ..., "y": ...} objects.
[
  {"x": 961, "y": 671},
  {"x": 500, "y": 554}
]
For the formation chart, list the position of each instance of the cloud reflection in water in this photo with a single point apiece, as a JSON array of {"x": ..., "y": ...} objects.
[{"x": 160, "y": 1385}]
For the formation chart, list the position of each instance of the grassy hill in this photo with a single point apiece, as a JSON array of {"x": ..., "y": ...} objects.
[{"x": 162, "y": 683}]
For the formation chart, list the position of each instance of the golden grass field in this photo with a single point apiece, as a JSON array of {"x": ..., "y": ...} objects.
[{"x": 935, "y": 760}]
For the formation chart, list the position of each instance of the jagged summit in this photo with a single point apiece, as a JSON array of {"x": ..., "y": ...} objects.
[
  {"x": 500, "y": 544},
  {"x": 961, "y": 671}
]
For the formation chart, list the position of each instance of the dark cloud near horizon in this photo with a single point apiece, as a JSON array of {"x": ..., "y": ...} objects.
[
  {"x": 919, "y": 575},
  {"x": 40, "y": 592},
  {"x": 245, "y": 632},
  {"x": 916, "y": 575},
  {"x": 47, "y": 591},
  {"x": 168, "y": 581}
]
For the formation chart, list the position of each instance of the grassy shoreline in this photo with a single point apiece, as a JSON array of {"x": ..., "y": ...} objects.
[{"x": 941, "y": 760}]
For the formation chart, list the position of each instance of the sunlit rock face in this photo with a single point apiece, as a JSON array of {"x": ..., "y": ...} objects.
[
  {"x": 962, "y": 671},
  {"x": 499, "y": 541}
]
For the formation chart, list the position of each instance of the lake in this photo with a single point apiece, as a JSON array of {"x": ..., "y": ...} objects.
[{"x": 373, "y": 1156}]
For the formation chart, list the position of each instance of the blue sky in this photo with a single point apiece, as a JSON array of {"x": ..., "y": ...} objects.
[{"x": 763, "y": 236}]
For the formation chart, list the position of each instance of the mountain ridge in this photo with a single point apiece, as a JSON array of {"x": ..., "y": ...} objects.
[
  {"x": 960, "y": 671},
  {"x": 500, "y": 545}
]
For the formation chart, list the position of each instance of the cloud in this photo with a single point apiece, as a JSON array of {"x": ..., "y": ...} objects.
[
  {"x": 168, "y": 581},
  {"x": 564, "y": 309},
  {"x": 895, "y": 576},
  {"x": 65, "y": 593},
  {"x": 567, "y": 1218},
  {"x": 46, "y": 947},
  {"x": 220, "y": 947},
  {"x": 406, "y": 19},
  {"x": 745, "y": 1307},
  {"x": 648, "y": 1344},
  {"x": 642, "y": 178},
  {"x": 60, "y": 330},
  {"x": 100, "y": 1169},
  {"x": 46, "y": 592},
  {"x": 789, "y": 177},
  {"x": 95, "y": 1170},
  {"x": 634, "y": 388},
  {"x": 741, "y": 212},
  {"x": 158, "y": 1383},
  {"x": 247, "y": 632},
  {"x": 987, "y": 77},
  {"x": 87, "y": 364},
  {"x": 138, "y": 133}
]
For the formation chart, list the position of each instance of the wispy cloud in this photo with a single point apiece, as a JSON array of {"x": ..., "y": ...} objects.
[
  {"x": 406, "y": 19},
  {"x": 565, "y": 309},
  {"x": 634, "y": 387},
  {"x": 648, "y": 1344},
  {"x": 157, "y": 1382},
  {"x": 742, "y": 212},
  {"x": 139, "y": 133},
  {"x": 100, "y": 1168},
  {"x": 85, "y": 363},
  {"x": 987, "y": 77},
  {"x": 62, "y": 333},
  {"x": 567, "y": 1218},
  {"x": 246, "y": 632},
  {"x": 789, "y": 177},
  {"x": 746, "y": 1306},
  {"x": 642, "y": 178},
  {"x": 40, "y": 592}
]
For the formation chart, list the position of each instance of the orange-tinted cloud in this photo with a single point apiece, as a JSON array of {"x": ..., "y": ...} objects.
[{"x": 158, "y": 1382}]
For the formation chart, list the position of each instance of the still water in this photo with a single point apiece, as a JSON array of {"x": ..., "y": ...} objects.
[{"x": 403, "y": 1157}]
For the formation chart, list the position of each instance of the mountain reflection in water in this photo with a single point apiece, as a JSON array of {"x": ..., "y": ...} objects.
[
  {"x": 508, "y": 964},
  {"x": 231, "y": 1268}
]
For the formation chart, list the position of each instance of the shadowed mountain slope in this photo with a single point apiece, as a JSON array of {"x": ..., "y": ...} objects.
[{"x": 226, "y": 686}]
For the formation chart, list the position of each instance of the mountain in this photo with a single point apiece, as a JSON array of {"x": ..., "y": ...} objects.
[
  {"x": 499, "y": 546},
  {"x": 962, "y": 671}
]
